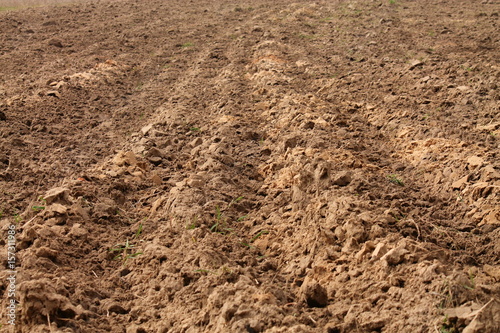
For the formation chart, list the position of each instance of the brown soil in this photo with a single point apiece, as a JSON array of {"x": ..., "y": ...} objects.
[{"x": 260, "y": 166}]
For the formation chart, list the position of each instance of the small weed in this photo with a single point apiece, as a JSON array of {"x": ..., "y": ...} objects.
[
  {"x": 395, "y": 180},
  {"x": 221, "y": 224},
  {"x": 246, "y": 245},
  {"x": 238, "y": 199},
  {"x": 446, "y": 326},
  {"x": 188, "y": 44},
  {"x": 218, "y": 213},
  {"x": 193, "y": 224},
  {"x": 392, "y": 2},
  {"x": 125, "y": 251},
  {"x": 425, "y": 117},
  {"x": 310, "y": 37},
  {"x": 472, "y": 280},
  {"x": 446, "y": 294},
  {"x": 38, "y": 208},
  {"x": 226, "y": 269},
  {"x": 241, "y": 218},
  {"x": 139, "y": 231},
  {"x": 195, "y": 129},
  {"x": 206, "y": 271},
  {"x": 326, "y": 19},
  {"x": 263, "y": 232}
]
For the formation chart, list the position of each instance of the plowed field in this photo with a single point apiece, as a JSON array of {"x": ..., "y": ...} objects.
[{"x": 250, "y": 166}]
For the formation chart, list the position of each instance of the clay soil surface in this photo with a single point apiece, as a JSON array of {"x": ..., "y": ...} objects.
[{"x": 251, "y": 166}]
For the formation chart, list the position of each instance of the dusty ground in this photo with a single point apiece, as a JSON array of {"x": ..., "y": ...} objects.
[{"x": 260, "y": 166}]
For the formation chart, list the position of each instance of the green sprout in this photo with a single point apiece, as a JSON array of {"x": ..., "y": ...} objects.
[
  {"x": 395, "y": 180},
  {"x": 221, "y": 221},
  {"x": 125, "y": 251},
  {"x": 263, "y": 232},
  {"x": 139, "y": 230}
]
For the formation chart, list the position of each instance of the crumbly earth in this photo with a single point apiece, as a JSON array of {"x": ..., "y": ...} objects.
[{"x": 251, "y": 166}]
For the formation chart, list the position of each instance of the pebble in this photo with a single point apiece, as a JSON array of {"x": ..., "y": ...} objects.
[
  {"x": 55, "y": 42},
  {"x": 395, "y": 256},
  {"x": 475, "y": 161},
  {"x": 379, "y": 251},
  {"x": 313, "y": 293},
  {"x": 56, "y": 194},
  {"x": 343, "y": 178}
]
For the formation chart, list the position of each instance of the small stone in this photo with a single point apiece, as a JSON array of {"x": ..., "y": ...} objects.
[
  {"x": 395, "y": 256},
  {"x": 57, "y": 209},
  {"x": 195, "y": 182},
  {"x": 313, "y": 293},
  {"x": 123, "y": 158},
  {"x": 367, "y": 247},
  {"x": 475, "y": 161},
  {"x": 53, "y": 93},
  {"x": 155, "y": 160},
  {"x": 379, "y": 251},
  {"x": 116, "y": 308},
  {"x": 415, "y": 63},
  {"x": 145, "y": 130},
  {"x": 57, "y": 194},
  {"x": 459, "y": 183},
  {"x": 463, "y": 88},
  {"x": 154, "y": 152},
  {"x": 390, "y": 98},
  {"x": 342, "y": 178},
  {"x": 196, "y": 142},
  {"x": 55, "y": 42}
]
